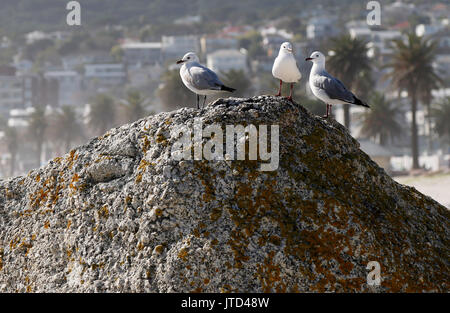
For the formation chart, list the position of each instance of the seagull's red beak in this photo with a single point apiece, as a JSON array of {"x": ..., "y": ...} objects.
[
  {"x": 308, "y": 59},
  {"x": 180, "y": 61}
]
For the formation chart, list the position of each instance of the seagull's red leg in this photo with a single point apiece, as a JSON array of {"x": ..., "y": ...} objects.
[
  {"x": 326, "y": 116},
  {"x": 290, "y": 95},
  {"x": 279, "y": 91}
]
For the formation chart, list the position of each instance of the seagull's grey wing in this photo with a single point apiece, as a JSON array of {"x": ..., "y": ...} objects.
[
  {"x": 333, "y": 87},
  {"x": 203, "y": 78}
]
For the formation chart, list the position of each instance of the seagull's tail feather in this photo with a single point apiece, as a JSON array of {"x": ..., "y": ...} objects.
[
  {"x": 359, "y": 102},
  {"x": 225, "y": 88}
]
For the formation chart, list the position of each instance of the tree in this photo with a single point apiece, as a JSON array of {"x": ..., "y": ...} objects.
[
  {"x": 134, "y": 106},
  {"x": 11, "y": 140},
  {"x": 381, "y": 120},
  {"x": 117, "y": 53},
  {"x": 252, "y": 42},
  {"x": 102, "y": 114},
  {"x": 173, "y": 93},
  {"x": 238, "y": 80},
  {"x": 36, "y": 131},
  {"x": 350, "y": 64},
  {"x": 66, "y": 127},
  {"x": 412, "y": 70}
]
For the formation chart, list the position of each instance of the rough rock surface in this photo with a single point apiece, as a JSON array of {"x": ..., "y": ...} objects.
[{"x": 119, "y": 215}]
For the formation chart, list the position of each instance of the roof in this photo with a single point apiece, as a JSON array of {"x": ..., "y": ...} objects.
[
  {"x": 142, "y": 45},
  {"x": 226, "y": 52}
]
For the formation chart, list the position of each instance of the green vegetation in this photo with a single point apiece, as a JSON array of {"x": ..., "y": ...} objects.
[
  {"x": 412, "y": 71},
  {"x": 380, "y": 122}
]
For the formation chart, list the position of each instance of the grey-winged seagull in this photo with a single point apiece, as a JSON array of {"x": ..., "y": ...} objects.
[
  {"x": 200, "y": 79},
  {"x": 328, "y": 88},
  {"x": 285, "y": 67}
]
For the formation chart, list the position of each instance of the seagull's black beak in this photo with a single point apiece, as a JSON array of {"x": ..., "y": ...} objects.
[
  {"x": 309, "y": 59},
  {"x": 180, "y": 61}
]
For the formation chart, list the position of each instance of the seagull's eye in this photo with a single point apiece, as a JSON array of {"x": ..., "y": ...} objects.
[
  {"x": 189, "y": 58},
  {"x": 317, "y": 55}
]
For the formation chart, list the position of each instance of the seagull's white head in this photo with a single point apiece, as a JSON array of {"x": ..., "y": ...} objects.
[
  {"x": 286, "y": 47},
  {"x": 316, "y": 57},
  {"x": 188, "y": 57}
]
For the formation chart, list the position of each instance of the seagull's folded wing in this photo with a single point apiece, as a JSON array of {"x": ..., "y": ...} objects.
[
  {"x": 334, "y": 88},
  {"x": 203, "y": 78}
]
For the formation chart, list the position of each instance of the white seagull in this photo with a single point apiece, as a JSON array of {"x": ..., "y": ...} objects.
[
  {"x": 285, "y": 67},
  {"x": 328, "y": 88},
  {"x": 200, "y": 79}
]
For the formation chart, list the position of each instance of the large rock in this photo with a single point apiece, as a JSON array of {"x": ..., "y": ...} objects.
[{"x": 119, "y": 214}]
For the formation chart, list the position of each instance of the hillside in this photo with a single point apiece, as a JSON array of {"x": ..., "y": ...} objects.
[{"x": 120, "y": 215}]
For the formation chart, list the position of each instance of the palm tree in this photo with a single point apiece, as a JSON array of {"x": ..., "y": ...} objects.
[
  {"x": 66, "y": 127},
  {"x": 134, "y": 106},
  {"x": 11, "y": 138},
  {"x": 412, "y": 71},
  {"x": 381, "y": 120},
  {"x": 350, "y": 64},
  {"x": 102, "y": 114},
  {"x": 36, "y": 131}
]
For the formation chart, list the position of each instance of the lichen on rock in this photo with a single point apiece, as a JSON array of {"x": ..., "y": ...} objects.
[{"x": 120, "y": 215}]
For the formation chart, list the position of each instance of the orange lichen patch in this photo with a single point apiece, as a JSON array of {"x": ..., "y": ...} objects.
[
  {"x": 206, "y": 281},
  {"x": 140, "y": 246},
  {"x": 182, "y": 254},
  {"x": 38, "y": 178},
  {"x": 216, "y": 214},
  {"x": 197, "y": 290},
  {"x": 269, "y": 275},
  {"x": 69, "y": 222},
  {"x": 46, "y": 224},
  {"x": 146, "y": 144},
  {"x": 71, "y": 158},
  {"x": 48, "y": 193},
  {"x": 226, "y": 289},
  {"x": 159, "y": 249},
  {"x": 161, "y": 139},
  {"x": 103, "y": 212}
]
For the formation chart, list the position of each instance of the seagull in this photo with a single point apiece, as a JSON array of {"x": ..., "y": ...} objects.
[
  {"x": 285, "y": 67},
  {"x": 200, "y": 79},
  {"x": 328, "y": 88}
]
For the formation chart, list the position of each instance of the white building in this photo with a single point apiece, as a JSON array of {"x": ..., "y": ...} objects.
[
  {"x": 428, "y": 29},
  {"x": 211, "y": 44},
  {"x": 441, "y": 65},
  {"x": 142, "y": 53},
  {"x": 174, "y": 47},
  {"x": 226, "y": 60},
  {"x": 70, "y": 86},
  {"x": 322, "y": 27},
  {"x": 104, "y": 75}
]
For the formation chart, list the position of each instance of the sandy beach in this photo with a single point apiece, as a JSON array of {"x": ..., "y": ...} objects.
[{"x": 436, "y": 186}]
